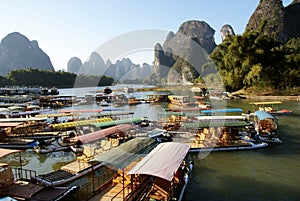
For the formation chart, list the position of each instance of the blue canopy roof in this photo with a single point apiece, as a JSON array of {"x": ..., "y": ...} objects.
[
  {"x": 17, "y": 114},
  {"x": 227, "y": 110},
  {"x": 264, "y": 115}
]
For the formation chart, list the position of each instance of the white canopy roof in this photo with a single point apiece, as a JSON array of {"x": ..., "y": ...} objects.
[
  {"x": 163, "y": 161},
  {"x": 229, "y": 117}
]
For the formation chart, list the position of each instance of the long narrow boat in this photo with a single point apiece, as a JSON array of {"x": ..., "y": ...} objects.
[
  {"x": 23, "y": 119},
  {"x": 164, "y": 185},
  {"x": 155, "y": 176},
  {"x": 73, "y": 124},
  {"x": 53, "y": 147},
  {"x": 218, "y": 135},
  {"x": 268, "y": 106},
  {"x": 19, "y": 144},
  {"x": 107, "y": 124},
  {"x": 67, "y": 173},
  {"x": 119, "y": 158},
  {"x": 219, "y": 111},
  {"x": 181, "y": 100},
  {"x": 266, "y": 126},
  {"x": 97, "y": 135},
  {"x": 29, "y": 113},
  {"x": 82, "y": 166}
]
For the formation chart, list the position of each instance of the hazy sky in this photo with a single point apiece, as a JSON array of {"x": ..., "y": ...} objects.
[{"x": 68, "y": 28}]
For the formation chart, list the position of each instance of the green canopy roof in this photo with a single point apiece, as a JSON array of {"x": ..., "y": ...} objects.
[
  {"x": 216, "y": 124},
  {"x": 117, "y": 122},
  {"x": 187, "y": 114},
  {"x": 123, "y": 155}
]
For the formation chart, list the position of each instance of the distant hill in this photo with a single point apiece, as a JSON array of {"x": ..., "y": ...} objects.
[
  {"x": 18, "y": 52},
  {"x": 279, "y": 22},
  {"x": 122, "y": 69},
  {"x": 182, "y": 55}
]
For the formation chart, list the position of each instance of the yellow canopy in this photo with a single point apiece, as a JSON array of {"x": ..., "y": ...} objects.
[{"x": 266, "y": 103}]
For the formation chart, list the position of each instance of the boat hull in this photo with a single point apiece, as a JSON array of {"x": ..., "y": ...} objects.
[
  {"x": 229, "y": 148},
  {"x": 53, "y": 183}
]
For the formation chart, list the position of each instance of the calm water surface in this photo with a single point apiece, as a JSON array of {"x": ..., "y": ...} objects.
[
  {"x": 268, "y": 174},
  {"x": 272, "y": 173}
]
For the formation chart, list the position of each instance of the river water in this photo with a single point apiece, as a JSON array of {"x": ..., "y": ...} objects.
[
  {"x": 268, "y": 174},
  {"x": 272, "y": 173}
]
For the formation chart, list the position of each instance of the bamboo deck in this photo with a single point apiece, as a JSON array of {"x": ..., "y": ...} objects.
[
  {"x": 82, "y": 163},
  {"x": 76, "y": 166}
]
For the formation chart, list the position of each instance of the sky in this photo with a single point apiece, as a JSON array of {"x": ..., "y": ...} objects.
[{"x": 68, "y": 28}]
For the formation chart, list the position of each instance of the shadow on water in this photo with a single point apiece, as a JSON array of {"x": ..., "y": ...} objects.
[{"x": 246, "y": 188}]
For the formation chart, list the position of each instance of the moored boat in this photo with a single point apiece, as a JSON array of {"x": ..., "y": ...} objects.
[
  {"x": 18, "y": 184},
  {"x": 218, "y": 135},
  {"x": 67, "y": 173},
  {"x": 164, "y": 184},
  {"x": 268, "y": 106},
  {"x": 19, "y": 144},
  {"x": 53, "y": 147},
  {"x": 156, "y": 98},
  {"x": 266, "y": 126},
  {"x": 181, "y": 100},
  {"x": 155, "y": 176}
]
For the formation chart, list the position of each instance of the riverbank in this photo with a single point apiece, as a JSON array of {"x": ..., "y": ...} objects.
[
  {"x": 239, "y": 94},
  {"x": 273, "y": 98}
]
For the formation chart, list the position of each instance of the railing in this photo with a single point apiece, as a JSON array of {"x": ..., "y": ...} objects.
[
  {"x": 86, "y": 191},
  {"x": 134, "y": 190},
  {"x": 139, "y": 190},
  {"x": 20, "y": 173}
]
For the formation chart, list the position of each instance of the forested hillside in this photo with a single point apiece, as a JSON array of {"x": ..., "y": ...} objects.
[
  {"x": 59, "y": 79},
  {"x": 255, "y": 60}
]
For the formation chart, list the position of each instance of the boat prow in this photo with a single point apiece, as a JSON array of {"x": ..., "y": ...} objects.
[{"x": 249, "y": 146}]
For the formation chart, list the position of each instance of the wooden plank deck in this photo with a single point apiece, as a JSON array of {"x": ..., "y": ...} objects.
[
  {"x": 24, "y": 189},
  {"x": 109, "y": 192}
]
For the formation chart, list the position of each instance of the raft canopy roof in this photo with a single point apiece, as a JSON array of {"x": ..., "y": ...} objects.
[
  {"x": 215, "y": 124},
  {"x": 30, "y": 112},
  {"x": 123, "y": 155},
  {"x": 118, "y": 122},
  {"x": 186, "y": 114},
  {"x": 4, "y": 109},
  {"x": 263, "y": 115},
  {"x": 157, "y": 164},
  {"x": 50, "y": 115},
  {"x": 4, "y": 152},
  {"x": 227, "y": 110},
  {"x": 266, "y": 103},
  {"x": 79, "y": 123},
  {"x": 115, "y": 113},
  {"x": 9, "y": 124},
  {"x": 22, "y": 119},
  {"x": 97, "y": 135},
  {"x": 228, "y": 117}
]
